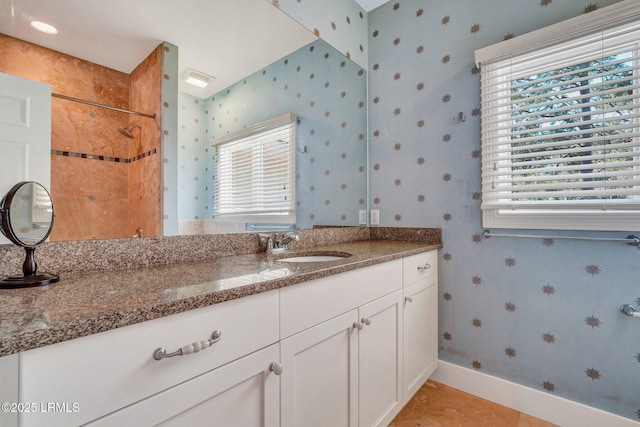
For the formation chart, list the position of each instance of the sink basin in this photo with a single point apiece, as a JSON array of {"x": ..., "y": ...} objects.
[
  {"x": 312, "y": 258},
  {"x": 316, "y": 257}
]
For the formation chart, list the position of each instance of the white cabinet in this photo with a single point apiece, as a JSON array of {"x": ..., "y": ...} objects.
[
  {"x": 347, "y": 370},
  {"x": 420, "y": 321},
  {"x": 242, "y": 393},
  {"x": 353, "y": 348},
  {"x": 102, "y": 373}
]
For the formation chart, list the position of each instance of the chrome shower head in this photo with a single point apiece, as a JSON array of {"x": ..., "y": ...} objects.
[{"x": 128, "y": 132}]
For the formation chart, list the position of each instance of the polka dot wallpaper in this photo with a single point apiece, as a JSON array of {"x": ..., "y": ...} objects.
[
  {"x": 543, "y": 313},
  {"x": 341, "y": 23},
  {"x": 327, "y": 92},
  {"x": 193, "y": 149}
]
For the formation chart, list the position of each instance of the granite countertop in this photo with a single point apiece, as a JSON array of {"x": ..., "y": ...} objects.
[{"x": 84, "y": 304}]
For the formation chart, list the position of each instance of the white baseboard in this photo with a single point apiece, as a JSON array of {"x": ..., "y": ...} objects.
[{"x": 554, "y": 409}]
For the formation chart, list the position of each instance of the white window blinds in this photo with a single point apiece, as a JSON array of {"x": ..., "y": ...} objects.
[
  {"x": 560, "y": 132},
  {"x": 255, "y": 176}
]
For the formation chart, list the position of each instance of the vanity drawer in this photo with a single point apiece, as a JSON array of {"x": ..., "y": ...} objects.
[
  {"x": 107, "y": 371},
  {"x": 418, "y": 267},
  {"x": 308, "y": 304}
]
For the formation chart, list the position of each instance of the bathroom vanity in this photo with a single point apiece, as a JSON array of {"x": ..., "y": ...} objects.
[{"x": 344, "y": 342}]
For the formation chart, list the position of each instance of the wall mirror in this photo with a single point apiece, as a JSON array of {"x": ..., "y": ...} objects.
[
  {"x": 26, "y": 218},
  {"x": 332, "y": 141}
]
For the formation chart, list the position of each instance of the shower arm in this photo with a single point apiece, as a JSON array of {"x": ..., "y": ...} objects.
[
  {"x": 108, "y": 107},
  {"x": 128, "y": 132}
]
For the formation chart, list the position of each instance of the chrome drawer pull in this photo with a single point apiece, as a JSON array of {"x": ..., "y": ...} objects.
[
  {"x": 161, "y": 352},
  {"x": 426, "y": 266}
]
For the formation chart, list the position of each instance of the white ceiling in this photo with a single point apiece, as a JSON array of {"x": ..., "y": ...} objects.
[
  {"x": 226, "y": 39},
  {"x": 369, "y": 5}
]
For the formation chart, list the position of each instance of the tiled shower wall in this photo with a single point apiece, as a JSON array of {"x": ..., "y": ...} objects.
[
  {"x": 144, "y": 148},
  {"x": 91, "y": 162},
  {"x": 543, "y": 313}
]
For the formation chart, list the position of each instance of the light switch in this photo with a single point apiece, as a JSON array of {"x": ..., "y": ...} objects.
[
  {"x": 375, "y": 217},
  {"x": 362, "y": 217}
]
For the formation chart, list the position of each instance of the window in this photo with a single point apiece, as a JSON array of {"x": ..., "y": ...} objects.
[
  {"x": 255, "y": 176},
  {"x": 560, "y": 125}
]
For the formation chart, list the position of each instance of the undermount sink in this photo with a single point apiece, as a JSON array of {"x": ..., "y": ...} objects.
[{"x": 316, "y": 257}]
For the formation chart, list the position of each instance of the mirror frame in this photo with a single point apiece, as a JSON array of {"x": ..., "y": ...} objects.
[
  {"x": 5, "y": 221},
  {"x": 30, "y": 276}
]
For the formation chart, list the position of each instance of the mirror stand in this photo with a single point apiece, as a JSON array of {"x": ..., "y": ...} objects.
[
  {"x": 29, "y": 271},
  {"x": 26, "y": 218}
]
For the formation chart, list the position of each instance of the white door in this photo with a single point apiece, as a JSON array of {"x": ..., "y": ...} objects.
[
  {"x": 319, "y": 385},
  {"x": 242, "y": 393},
  {"x": 420, "y": 334},
  {"x": 380, "y": 360},
  {"x": 25, "y": 133}
]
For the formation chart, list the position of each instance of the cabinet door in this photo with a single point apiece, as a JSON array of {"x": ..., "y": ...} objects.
[
  {"x": 25, "y": 133},
  {"x": 380, "y": 360},
  {"x": 242, "y": 393},
  {"x": 420, "y": 334},
  {"x": 319, "y": 382}
]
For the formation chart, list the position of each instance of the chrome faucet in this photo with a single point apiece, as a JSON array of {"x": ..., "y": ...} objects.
[
  {"x": 286, "y": 238},
  {"x": 279, "y": 242}
]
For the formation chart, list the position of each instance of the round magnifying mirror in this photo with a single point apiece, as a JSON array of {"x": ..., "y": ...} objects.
[{"x": 26, "y": 218}]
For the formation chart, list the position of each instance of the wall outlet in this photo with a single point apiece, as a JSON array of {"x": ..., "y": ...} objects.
[
  {"x": 362, "y": 217},
  {"x": 375, "y": 217}
]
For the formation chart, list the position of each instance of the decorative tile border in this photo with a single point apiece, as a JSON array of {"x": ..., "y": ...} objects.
[{"x": 104, "y": 158}]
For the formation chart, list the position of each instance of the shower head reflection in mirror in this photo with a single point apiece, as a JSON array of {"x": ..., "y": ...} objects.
[{"x": 128, "y": 132}]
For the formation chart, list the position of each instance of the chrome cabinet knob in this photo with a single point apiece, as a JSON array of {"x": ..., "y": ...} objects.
[
  {"x": 276, "y": 368},
  {"x": 408, "y": 299},
  {"x": 365, "y": 321},
  {"x": 357, "y": 325}
]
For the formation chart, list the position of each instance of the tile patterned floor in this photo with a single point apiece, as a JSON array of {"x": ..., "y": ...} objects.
[{"x": 437, "y": 405}]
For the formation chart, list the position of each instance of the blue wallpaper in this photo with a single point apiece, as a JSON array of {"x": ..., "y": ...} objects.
[
  {"x": 543, "y": 313},
  {"x": 193, "y": 151},
  {"x": 341, "y": 23},
  {"x": 327, "y": 92}
]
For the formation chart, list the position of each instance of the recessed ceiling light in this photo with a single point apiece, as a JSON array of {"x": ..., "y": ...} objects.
[
  {"x": 197, "y": 81},
  {"x": 196, "y": 78},
  {"x": 44, "y": 27}
]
